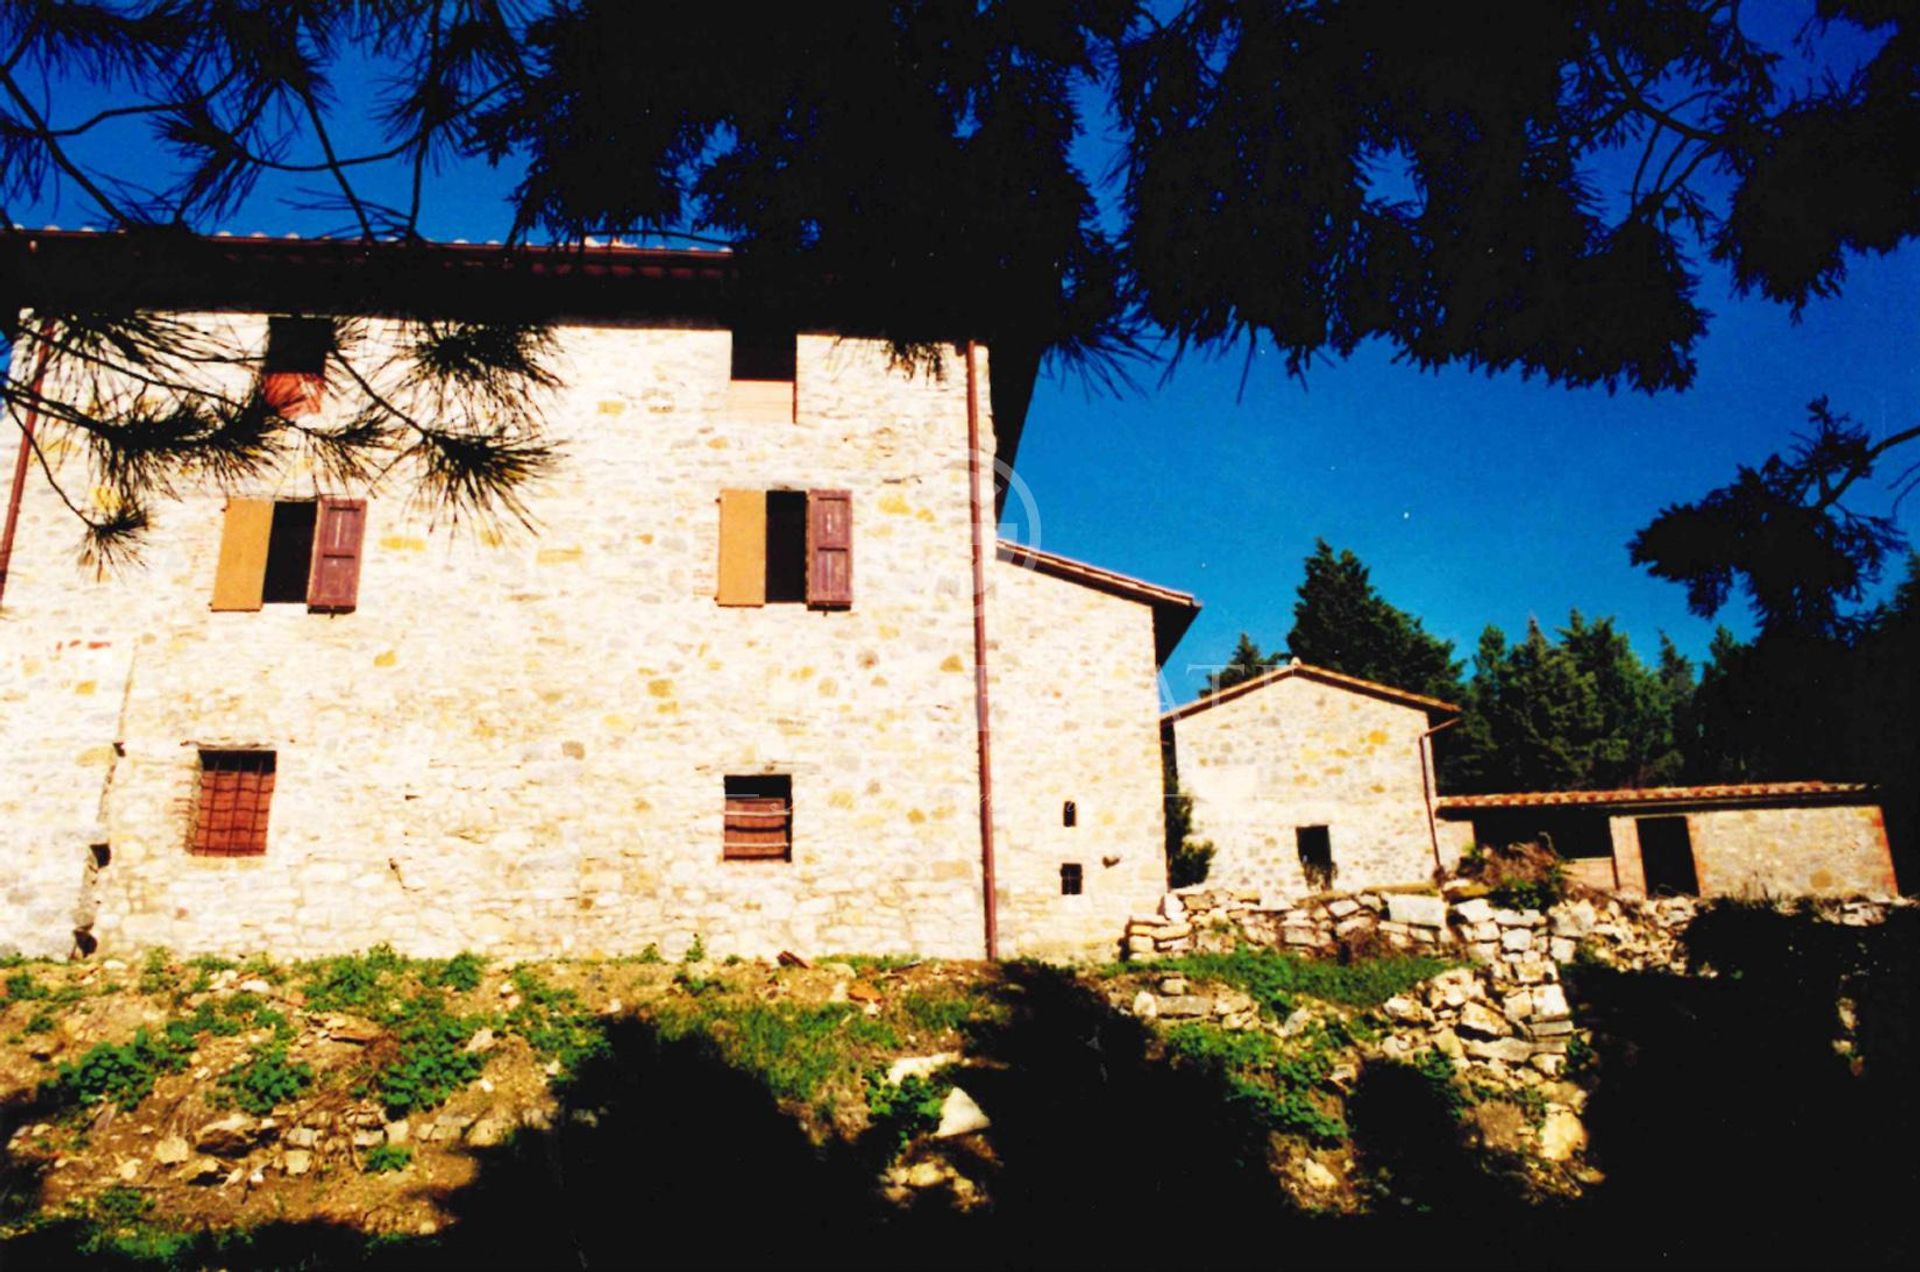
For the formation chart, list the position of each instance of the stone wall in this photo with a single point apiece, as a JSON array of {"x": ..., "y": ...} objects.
[
  {"x": 1075, "y": 700},
  {"x": 1300, "y": 753},
  {"x": 1812, "y": 851},
  {"x": 517, "y": 742}
]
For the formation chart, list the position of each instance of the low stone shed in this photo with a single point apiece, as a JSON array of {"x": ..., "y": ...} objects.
[
  {"x": 1306, "y": 779},
  {"x": 1752, "y": 839}
]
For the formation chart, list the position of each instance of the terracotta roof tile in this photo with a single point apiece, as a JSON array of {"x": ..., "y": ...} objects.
[{"x": 1730, "y": 793}]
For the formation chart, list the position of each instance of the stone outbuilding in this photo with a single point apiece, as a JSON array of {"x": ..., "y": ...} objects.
[
  {"x": 1767, "y": 839},
  {"x": 1305, "y": 780}
]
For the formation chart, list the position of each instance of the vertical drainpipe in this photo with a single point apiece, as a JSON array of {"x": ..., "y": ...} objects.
[
  {"x": 980, "y": 705},
  {"x": 1426, "y": 789},
  {"x": 25, "y": 453}
]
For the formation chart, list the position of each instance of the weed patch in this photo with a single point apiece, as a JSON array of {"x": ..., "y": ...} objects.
[
  {"x": 266, "y": 1080},
  {"x": 1268, "y": 1084},
  {"x": 382, "y": 1158},
  {"x": 905, "y": 1109}
]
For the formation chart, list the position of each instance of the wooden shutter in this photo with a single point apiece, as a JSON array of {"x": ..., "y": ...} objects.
[
  {"x": 743, "y": 548},
  {"x": 829, "y": 549},
  {"x": 334, "y": 587},
  {"x": 759, "y": 819},
  {"x": 241, "y": 576}
]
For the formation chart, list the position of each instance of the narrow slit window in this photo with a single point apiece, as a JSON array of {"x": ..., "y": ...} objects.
[
  {"x": 1071, "y": 879},
  {"x": 759, "y": 818},
  {"x": 231, "y": 806},
  {"x": 1316, "y": 856},
  {"x": 1069, "y": 814}
]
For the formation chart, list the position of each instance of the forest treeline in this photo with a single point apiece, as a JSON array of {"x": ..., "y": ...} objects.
[{"x": 1575, "y": 707}]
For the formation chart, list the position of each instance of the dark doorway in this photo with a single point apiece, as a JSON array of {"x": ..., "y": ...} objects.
[{"x": 1666, "y": 855}]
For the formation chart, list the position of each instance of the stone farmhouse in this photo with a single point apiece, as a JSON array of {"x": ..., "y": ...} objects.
[
  {"x": 762, "y": 675},
  {"x": 753, "y": 680}
]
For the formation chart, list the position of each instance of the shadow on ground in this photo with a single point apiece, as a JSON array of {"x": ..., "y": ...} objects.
[{"x": 1729, "y": 1130}]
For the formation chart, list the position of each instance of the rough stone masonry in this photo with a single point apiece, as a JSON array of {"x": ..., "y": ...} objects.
[{"x": 518, "y": 741}]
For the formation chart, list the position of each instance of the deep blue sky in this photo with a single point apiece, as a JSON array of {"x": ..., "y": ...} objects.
[{"x": 1474, "y": 499}]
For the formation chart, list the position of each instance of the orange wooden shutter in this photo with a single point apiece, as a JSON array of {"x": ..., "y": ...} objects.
[
  {"x": 829, "y": 549},
  {"x": 334, "y": 587},
  {"x": 240, "y": 578},
  {"x": 743, "y": 548}
]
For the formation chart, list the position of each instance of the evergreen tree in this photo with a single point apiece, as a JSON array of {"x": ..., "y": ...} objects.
[
  {"x": 1547, "y": 719},
  {"x": 1633, "y": 745},
  {"x": 1245, "y": 663},
  {"x": 1343, "y": 624}
]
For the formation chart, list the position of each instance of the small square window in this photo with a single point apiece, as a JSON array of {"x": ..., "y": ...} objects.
[
  {"x": 230, "y": 811},
  {"x": 1069, "y": 814},
  {"x": 759, "y": 818},
  {"x": 1316, "y": 856},
  {"x": 764, "y": 353},
  {"x": 294, "y": 376},
  {"x": 1070, "y": 879}
]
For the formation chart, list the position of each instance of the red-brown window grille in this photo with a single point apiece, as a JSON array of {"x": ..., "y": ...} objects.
[
  {"x": 759, "y": 819},
  {"x": 230, "y": 814}
]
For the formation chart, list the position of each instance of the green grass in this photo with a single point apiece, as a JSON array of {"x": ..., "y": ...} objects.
[
  {"x": 22, "y": 987},
  {"x": 1276, "y": 979},
  {"x": 948, "y": 1008}
]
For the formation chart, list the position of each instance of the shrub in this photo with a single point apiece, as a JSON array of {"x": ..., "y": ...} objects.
[
  {"x": 1270, "y": 1086},
  {"x": 697, "y": 952},
  {"x": 382, "y": 1158},
  {"x": 1521, "y": 876},
  {"x": 1188, "y": 859},
  {"x": 266, "y": 1080}
]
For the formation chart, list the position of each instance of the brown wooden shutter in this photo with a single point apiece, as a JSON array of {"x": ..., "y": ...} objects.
[
  {"x": 334, "y": 587},
  {"x": 743, "y": 548},
  {"x": 240, "y": 578},
  {"x": 829, "y": 549}
]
